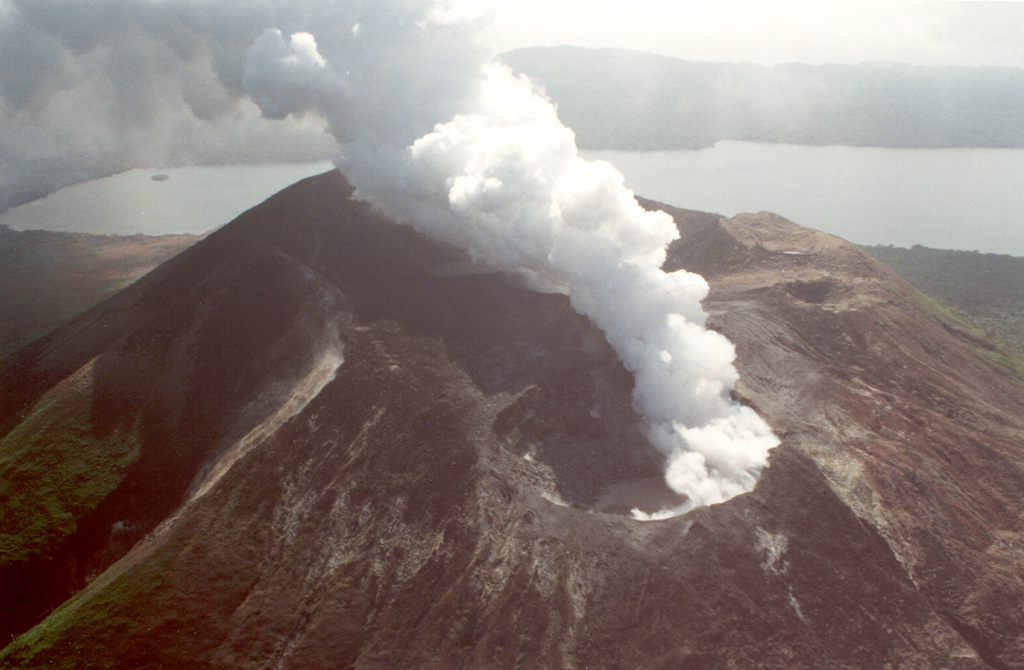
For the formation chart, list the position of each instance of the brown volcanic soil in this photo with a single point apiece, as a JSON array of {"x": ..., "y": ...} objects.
[
  {"x": 431, "y": 505},
  {"x": 47, "y": 278}
]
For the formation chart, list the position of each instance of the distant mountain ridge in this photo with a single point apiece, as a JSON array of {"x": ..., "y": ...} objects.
[{"x": 623, "y": 99}]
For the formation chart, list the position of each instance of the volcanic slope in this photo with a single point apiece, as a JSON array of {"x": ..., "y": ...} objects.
[
  {"x": 318, "y": 440},
  {"x": 46, "y": 277}
]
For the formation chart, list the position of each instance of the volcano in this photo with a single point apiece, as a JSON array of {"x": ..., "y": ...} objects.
[{"x": 318, "y": 439}]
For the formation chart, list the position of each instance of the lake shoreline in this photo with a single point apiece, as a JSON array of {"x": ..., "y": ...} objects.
[
  {"x": 968, "y": 199},
  {"x": 957, "y": 199}
]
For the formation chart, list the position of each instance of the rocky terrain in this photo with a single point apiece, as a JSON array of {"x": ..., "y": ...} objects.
[{"x": 319, "y": 440}]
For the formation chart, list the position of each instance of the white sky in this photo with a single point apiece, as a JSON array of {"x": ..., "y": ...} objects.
[{"x": 777, "y": 31}]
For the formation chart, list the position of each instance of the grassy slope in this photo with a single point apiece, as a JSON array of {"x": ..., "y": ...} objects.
[
  {"x": 986, "y": 291},
  {"x": 55, "y": 468}
]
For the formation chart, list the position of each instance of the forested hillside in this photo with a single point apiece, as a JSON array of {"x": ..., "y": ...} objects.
[{"x": 987, "y": 289}]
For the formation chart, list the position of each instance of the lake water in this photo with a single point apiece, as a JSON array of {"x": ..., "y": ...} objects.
[
  {"x": 970, "y": 199},
  {"x": 156, "y": 201},
  {"x": 944, "y": 198}
]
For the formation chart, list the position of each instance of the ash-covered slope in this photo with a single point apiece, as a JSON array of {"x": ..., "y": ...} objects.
[{"x": 433, "y": 500}]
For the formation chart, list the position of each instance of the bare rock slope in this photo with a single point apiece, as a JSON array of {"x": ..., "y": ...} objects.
[{"x": 338, "y": 444}]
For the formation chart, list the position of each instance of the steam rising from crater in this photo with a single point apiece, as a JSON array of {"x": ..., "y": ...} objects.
[
  {"x": 438, "y": 136},
  {"x": 431, "y": 131}
]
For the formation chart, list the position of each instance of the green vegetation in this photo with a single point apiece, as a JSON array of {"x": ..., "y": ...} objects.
[
  {"x": 620, "y": 99},
  {"x": 100, "y": 611},
  {"x": 55, "y": 468},
  {"x": 988, "y": 288},
  {"x": 985, "y": 291},
  {"x": 154, "y": 590}
]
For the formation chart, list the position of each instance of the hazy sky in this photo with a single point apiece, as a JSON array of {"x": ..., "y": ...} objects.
[
  {"x": 933, "y": 33},
  {"x": 88, "y": 89}
]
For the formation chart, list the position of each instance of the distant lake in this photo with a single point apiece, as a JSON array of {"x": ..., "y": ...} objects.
[
  {"x": 156, "y": 201},
  {"x": 970, "y": 199}
]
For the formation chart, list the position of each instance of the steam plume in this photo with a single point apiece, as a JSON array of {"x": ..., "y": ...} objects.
[
  {"x": 439, "y": 137},
  {"x": 430, "y": 130}
]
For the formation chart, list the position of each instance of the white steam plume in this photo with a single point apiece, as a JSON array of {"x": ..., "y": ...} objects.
[
  {"x": 431, "y": 132},
  {"x": 438, "y": 136}
]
